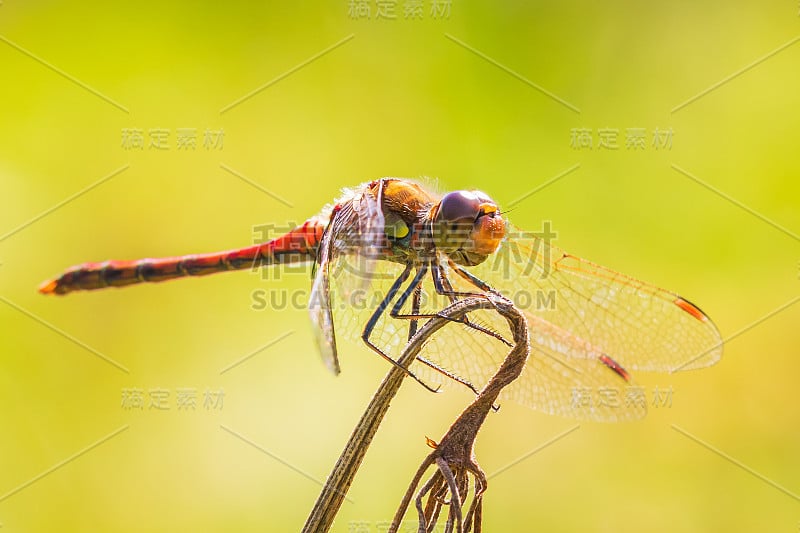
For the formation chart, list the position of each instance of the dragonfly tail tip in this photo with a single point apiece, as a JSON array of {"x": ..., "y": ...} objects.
[{"x": 48, "y": 287}]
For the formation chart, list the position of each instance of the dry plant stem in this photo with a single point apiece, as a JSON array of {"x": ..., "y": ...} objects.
[
  {"x": 341, "y": 477},
  {"x": 454, "y": 455}
]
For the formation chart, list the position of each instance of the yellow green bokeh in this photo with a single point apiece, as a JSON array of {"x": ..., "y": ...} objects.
[{"x": 462, "y": 99}]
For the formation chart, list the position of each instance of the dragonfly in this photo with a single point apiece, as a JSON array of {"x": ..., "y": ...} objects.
[{"x": 391, "y": 253}]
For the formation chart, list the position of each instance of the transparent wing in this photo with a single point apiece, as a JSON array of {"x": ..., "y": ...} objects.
[
  {"x": 345, "y": 261},
  {"x": 639, "y": 325},
  {"x": 354, "y": 301},
  {"x": 585, "y": 323},
  {"x": 563, "y": 375},
  {"x": 319, "y": 304}
]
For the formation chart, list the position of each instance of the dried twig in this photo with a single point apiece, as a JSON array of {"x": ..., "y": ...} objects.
[
  {"x": 456, "y": 446},
  {"x": 454, "y": 455}
]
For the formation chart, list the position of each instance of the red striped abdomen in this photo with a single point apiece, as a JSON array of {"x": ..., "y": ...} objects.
[{"x": 299, "y": 245}]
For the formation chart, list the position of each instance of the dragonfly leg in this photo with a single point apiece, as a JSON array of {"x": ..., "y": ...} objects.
[
  {"x": 476, "y": 281},
  {"x": 446, "y": 290},
  {"x": 444, "y": 287},
  {"x": 373, "y": 321},
  {"x": 414, "y": 288},
  {"x": 415, "y": 303},
  {"x": 444, "y": 283},
  {"x": 472, "y": 278}
]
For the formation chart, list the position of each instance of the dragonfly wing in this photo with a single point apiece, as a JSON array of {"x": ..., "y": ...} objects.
[
  {"x": 564, "y": 375},
  {"x": 346, "y": 262},
  {"x": 567, "y": 376},
  {"x": 588, "y": 327},
  {"x": 319, "y": 304},
  {"x": 639, "y": 325},
  {"x": 358, "y": 237}
]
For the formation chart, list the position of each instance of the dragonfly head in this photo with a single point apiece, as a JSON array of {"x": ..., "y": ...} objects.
[{"x": 467, "y": 226}]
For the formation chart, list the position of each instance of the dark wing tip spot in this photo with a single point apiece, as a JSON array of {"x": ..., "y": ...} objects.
[{"x": 690, "y": 308}]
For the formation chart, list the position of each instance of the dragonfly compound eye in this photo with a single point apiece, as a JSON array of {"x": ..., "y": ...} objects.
[
  {"x": 460, "y": 206},
  {"x": 468, "y": 226}
]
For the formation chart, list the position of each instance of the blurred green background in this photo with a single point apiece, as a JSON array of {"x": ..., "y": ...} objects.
[{"x": 395, "y": 97}]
